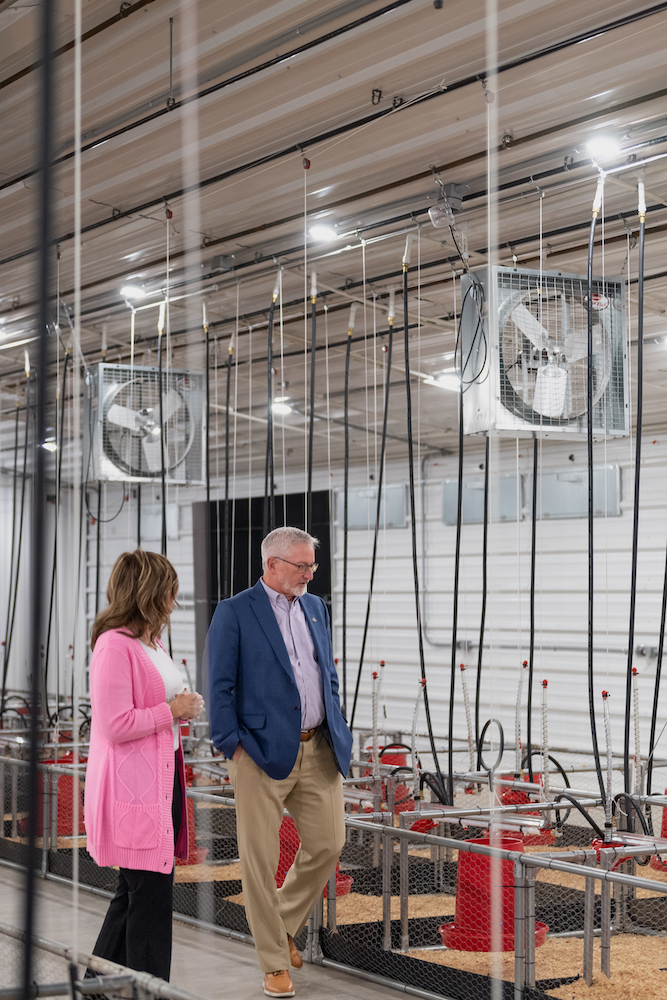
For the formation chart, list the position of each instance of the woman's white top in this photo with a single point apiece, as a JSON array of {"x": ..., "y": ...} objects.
[{"x": 170, "y": 674}]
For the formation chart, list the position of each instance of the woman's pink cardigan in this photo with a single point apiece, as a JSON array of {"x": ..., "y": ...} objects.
[{"x": 130, "y": 772}]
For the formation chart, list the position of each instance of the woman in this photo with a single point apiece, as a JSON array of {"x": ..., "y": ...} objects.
[{"x": 135, "y": 777}]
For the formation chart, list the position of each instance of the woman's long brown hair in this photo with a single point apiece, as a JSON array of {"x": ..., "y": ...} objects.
[{"x": 140, "y": 586}]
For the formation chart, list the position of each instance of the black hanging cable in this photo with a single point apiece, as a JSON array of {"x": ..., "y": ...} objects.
[
  {"x": 597, "y": 204},
  {"x": 413, "y": 515},
  {"x": 54, "y": 565},
  {"x": 455, "y": 607},
  {"x": 635, "y": 512},
  {"x": 163, "y": 471},
  {"x": 482, "y": 617},
  {"x": 38, "y": 508},
  {"x": 269, "y": 513},
  {"x": 346, "y": 491},
  {"x": 378, "y": 503},
  {"x": 656, "y": 696},
  {"x": 207, "y": 463},
  {"x": 138, "y": 515},
  {"x": 227, "y": 571},
  {"x": 26, "y": 441},
  {"x": 311, "y": 412},
  {"x": 5, "y": 655},
  {"x": 531, "y": 649}
]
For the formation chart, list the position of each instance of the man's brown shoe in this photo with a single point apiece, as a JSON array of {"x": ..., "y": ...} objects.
[
  {"x": 294, "y": 956},
  {"x": 278, "y": 984}
]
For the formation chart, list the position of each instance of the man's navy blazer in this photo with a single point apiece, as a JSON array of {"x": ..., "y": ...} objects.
[{"x": 253, "y": 697}]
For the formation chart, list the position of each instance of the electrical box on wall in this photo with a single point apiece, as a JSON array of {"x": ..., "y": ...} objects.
[
  {"x": 133, "y": 422},
  {"x": 524, "y": 349}
]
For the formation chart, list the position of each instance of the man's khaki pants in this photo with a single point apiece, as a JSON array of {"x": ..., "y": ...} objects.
[{"x": 313, "y": 794}]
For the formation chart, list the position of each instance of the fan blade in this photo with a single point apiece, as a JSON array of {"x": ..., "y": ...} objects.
[
  {"x": 123, "y": 416},
  {"x": 576, "y": 345},
  {"x": 529, "y": 326},
  {"x": 153, "y": 454},
  {"x": 550, "y": 389},
  {"x": 171, "y": 401}
]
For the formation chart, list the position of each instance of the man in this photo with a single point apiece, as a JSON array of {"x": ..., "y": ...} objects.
[{"x": 275, "y": 713}]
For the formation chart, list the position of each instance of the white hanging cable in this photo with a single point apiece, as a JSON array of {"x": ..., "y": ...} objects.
[
  {"x": 326, "y": 372},
  {"x": 236, "y": 399},
  {"x": 469, "y": 725},
  {"x": 610, "y": 766},
  {"x": 546, "y": 789},
  {"x": 282, "y": 391},
  {"x": 306, "y": 165},
  {"x": 76, "y": 392},
  {"x": 638, "y": 747},
  {"x": 413, "y": 742},
  {"x": 375, "y": 697},
  {"x": 518, "y": 769},
  {"x": 249, "y": 457}
]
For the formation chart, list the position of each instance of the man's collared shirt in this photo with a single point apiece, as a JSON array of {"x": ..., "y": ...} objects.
[{"x": 291, "y": 619}]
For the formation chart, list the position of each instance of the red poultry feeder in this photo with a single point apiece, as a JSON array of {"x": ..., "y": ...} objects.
[
  {"x": 66, "y": 786},
  {"x": 289, "y": 845},
  {"x": 479, "y": 878},
  {"x": 657, "y": 863},
  {"x": 196, "y": 855}
]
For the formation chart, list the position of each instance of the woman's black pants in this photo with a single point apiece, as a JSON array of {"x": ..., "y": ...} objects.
[{"x": 137, "y": 928}]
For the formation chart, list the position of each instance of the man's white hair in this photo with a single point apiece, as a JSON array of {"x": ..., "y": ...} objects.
[{"x": 280, "y": 540}]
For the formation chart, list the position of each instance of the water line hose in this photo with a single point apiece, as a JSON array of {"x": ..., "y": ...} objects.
[
  {"x": 641, "y": 209},
  {"x": 546, "y": 791},
  {"x": 346, "y": 496},
  {"x": 269, "y": 511},
  {"x": 531, "y": 650},
  {"x": 413, "y": 534},
  {"x": 482, "y": 617},
  {"x": 597, "y": 204}
]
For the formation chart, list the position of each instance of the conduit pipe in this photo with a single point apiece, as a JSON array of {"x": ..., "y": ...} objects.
[{"x": 332, "y": 133}]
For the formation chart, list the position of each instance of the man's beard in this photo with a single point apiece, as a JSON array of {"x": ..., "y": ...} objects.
[{"x": 294, "y": 590}]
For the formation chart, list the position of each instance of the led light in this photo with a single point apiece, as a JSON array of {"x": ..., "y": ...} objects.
[
  {"x": 132, "y": 292},
  {"x": 446, "y": 380},
  {"x": 281, "y": 399},
  {"x": 50, "y": 444},
  {"x": 603, "y": 147},
  {"x": 281, "y": 408},
  {"x": 323, "y": 234}
]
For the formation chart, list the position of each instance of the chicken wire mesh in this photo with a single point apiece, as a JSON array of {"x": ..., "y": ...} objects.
[{"x": 415, "y": 899}]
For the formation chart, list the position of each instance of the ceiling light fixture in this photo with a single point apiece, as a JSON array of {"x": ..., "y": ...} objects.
[
  {"x": 603, "y": 147},
  {"x": 323, "y": 234},
  {"x": 50, "y": 444},
  {"x": 132, "y": 292},
  {"x": 281, "y": 408},
  {"x": 446, "y": 380},
  {"x": 281, "y": 399}
]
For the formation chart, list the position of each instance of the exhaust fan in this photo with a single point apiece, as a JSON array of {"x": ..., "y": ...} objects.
[
  {"x": 125, "y": 435},
  {"x": 524, "y": 345}
]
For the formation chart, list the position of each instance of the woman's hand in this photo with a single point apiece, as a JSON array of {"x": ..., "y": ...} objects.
[{"x": 186, "y": 705}]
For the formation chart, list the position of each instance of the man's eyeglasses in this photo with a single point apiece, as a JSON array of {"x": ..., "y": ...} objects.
[{"x": 302, "y": 567}]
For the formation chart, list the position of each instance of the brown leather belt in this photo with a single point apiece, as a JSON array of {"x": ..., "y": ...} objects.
[{"x": 307, "y": 734}]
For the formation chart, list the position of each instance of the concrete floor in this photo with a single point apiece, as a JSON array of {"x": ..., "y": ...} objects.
[{"x": 203, "y": 962}]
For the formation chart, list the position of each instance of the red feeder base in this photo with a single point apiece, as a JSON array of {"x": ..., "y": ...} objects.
[
  {"x": 467, "y": 939},
  {"x": 657, "y": 863},
  {"x": 485, "y": 892}
]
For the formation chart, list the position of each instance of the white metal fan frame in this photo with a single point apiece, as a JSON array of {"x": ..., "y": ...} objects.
[{"x": 150, "y": 377}]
